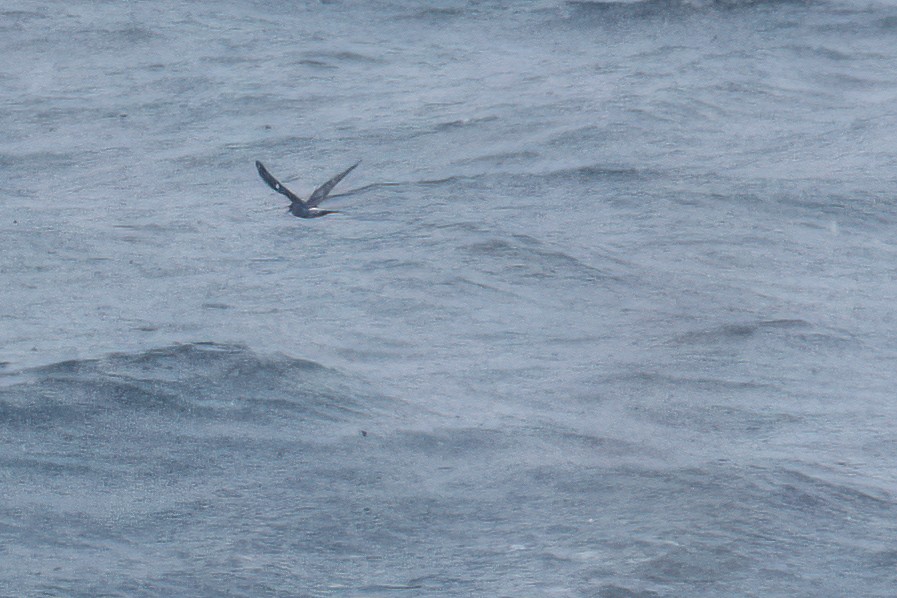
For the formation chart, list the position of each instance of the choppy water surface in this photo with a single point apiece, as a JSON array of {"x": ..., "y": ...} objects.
[{"x": 608, "y": 311}]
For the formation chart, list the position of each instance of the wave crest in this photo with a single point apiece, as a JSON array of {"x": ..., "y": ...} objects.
[{"x": 196, "y": 380}]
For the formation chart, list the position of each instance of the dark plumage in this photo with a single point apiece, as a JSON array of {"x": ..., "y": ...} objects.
[{"x": 309, "y": 208}]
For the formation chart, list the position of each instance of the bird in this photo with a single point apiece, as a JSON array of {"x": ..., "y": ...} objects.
[{"x": 308, "y": 208}]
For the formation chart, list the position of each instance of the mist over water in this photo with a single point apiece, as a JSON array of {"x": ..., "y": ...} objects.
[{"x": 608, "y": 310}]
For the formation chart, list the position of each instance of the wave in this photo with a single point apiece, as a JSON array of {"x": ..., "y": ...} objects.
[
  {"x": 462, "y": 123},
  {"x": 741, "y": 330},
  {"x": 335, "y": 59},
  {"x": 582, "y": 11},
  {"x": 797, "y": 331},
  {"x": 600, "y": 173},
  {"x": 196, "y": 381},
  {"x": 522, "y": 255}
]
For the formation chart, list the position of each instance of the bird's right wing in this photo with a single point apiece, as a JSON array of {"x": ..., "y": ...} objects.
[
  {"x": 275, "y": 184},
  {"x": 321, "y": 192}
]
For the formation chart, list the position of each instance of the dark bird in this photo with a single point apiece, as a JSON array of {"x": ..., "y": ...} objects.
[{"x": 308, "y": 208}]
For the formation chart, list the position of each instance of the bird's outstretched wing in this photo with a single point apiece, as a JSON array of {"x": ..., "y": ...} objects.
[
  {"x": 321, "y": 192},
  {"x": 275, "y": 184}
]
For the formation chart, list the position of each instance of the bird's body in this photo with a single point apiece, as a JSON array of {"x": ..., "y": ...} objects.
[{"x": 308, "y": 208}]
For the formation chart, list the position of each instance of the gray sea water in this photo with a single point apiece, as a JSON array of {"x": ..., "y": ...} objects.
[{"x": 609, "y": 309}]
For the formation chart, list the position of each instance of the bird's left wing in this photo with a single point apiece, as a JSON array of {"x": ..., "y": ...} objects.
[{"x": 321, "y": 192}]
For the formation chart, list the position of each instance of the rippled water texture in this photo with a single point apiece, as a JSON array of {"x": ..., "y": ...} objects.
[{"x": 608, "y": 310}]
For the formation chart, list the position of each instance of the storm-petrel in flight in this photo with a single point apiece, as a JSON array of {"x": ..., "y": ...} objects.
[{"x": 308, "y": 208}]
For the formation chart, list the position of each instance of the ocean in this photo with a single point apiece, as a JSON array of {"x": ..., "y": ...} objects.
[{"x": 608, "y": 309}]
